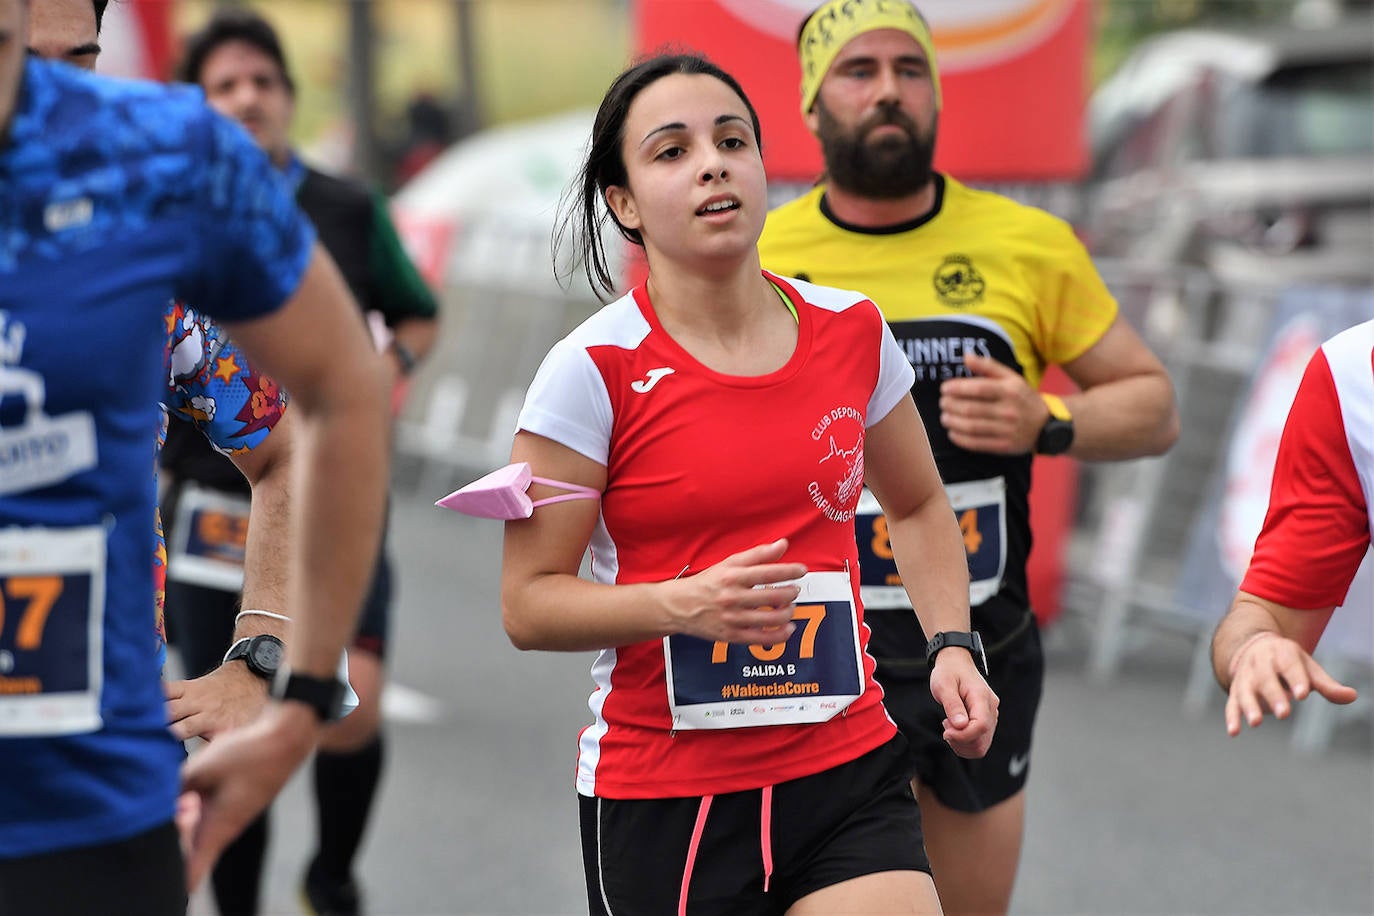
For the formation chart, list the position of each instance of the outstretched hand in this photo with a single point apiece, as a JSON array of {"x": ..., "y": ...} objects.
[
  {"x": 229, "y": 782},
  {"x": 969, "y": 703},
  {"x": 997, "y": 411},
  {"x": 745, "y": 598},
  {"x": 1269, "y": 673}
]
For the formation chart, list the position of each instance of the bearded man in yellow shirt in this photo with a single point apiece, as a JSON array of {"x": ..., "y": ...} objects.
[{"x": 982, "y": 293}]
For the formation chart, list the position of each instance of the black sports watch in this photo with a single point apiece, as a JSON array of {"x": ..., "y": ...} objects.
[
  {"x": 1056, "y": 436},
  {"x": 263, "y": 654},
  {"x": 970, "y": 641},
  {"x": 405, "y": 356},
  {"x": 322, "y": 694}
]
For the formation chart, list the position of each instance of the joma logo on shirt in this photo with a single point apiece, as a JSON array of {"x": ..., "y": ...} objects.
[{"x": 651, "y": 378}]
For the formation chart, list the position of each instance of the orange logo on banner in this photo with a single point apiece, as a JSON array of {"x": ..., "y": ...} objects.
[{"x": 966, "y": 34}]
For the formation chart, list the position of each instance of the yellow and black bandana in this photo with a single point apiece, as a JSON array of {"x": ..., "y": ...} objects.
[{"x": 838, "y": 22}]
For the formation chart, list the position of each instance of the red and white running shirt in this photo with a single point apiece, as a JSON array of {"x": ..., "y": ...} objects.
[
  {"x": 701, "y": 465},
  {"x": 1321, "y": 506}
]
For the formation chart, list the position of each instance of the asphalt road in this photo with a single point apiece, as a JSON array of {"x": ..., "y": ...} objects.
[{"x": 1134, "y": 808}]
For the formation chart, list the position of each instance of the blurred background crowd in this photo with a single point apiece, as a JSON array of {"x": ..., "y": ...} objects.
[{"x": 1217, "y": 157}]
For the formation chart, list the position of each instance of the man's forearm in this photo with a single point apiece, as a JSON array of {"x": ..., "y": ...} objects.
[
  {"x": 341, "y": 480},
  {"x": 248, "y": 625},
  {"x": 1129, "y": 418},
  {"x": 267, "y": 558}
]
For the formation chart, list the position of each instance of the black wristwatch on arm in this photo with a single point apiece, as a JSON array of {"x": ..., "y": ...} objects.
[
  {"x": 262, "y": 654},
  {"x": 404, "y": 356},
  {"x": 970, "y": 641},
  {"x": 324, "y": 695},
  {"x": 1056, "y": 436}
]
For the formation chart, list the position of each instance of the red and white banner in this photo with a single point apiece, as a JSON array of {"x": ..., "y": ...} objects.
[
  {"x": 136, "y": 39},
  {"x": 1014, "y": 75}
]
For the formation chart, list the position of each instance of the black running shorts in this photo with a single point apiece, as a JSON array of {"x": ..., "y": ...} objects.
[
  {"x": 375, "y": 619},
  {"x": 1016, "y": 673},
  {"x": 853, "y": 820},
  {"x": 143, "y": 874}
]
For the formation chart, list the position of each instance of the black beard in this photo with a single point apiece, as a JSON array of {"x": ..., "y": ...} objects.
[{"x": 887, "y": 169}]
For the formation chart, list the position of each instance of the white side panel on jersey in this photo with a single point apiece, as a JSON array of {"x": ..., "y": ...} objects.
[
  {"x": 605, "y": 558},
  {"x": 1349, "y": 356},
  {"x": 605, "y": 564},
  {"x": 589, "y": 744}
]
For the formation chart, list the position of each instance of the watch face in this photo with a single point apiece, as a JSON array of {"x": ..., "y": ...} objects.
[
  {"x": 267, "y": 654},
  {"x": 1056, "y": 437}
]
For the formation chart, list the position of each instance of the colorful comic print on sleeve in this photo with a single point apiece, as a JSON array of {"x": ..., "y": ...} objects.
[{"x": 211, "y": 383}]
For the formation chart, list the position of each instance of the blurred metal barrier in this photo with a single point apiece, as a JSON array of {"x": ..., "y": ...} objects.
[
  {"x": 1140, "y": 519},
  {"x": 1138, "y": 514},
  {"x": 461, "y": 411}
]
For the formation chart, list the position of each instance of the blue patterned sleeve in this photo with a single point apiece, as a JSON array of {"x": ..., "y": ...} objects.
[
  {"x": 253, "y": 243},
  {"x": 212, "y": 385}
]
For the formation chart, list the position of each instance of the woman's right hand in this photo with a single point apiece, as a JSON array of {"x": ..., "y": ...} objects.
[{"x": 741, "y": 599}]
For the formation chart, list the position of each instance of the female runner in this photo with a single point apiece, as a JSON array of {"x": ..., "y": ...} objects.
[{"x": 739, "y": 759}]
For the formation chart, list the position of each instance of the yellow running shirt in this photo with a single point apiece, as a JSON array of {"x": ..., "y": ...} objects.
[{"x": 980, "y": 272}]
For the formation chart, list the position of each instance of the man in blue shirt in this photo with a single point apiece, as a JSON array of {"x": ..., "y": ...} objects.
[
  {"x": 114, "y": 199},
  {"x": 240, "y": 412}
]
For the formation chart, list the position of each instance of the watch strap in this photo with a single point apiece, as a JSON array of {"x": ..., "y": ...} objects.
[
  {"x": 322, "y": 694},
  {"x": 963, "y": 640},
  {"x": 405, "y": 356},
  {"x": 1056, "y": 406},
  {"x": 243, "y": 649},
  {"x": 238, "y": 650}
]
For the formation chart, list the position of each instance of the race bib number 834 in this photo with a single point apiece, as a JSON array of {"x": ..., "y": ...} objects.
[{"x": 980, "y": 507}]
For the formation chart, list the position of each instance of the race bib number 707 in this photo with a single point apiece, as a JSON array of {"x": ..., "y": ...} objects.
[{"x": 52, "y": 600}]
